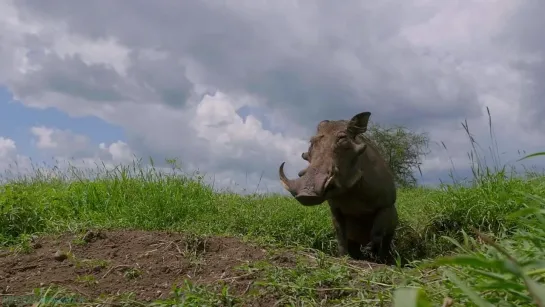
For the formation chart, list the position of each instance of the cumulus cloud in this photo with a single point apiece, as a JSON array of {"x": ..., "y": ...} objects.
[
  {"x": 7, "y": 147},
  {"x": 65, "y": 144},
  {"x": 72, "y": 149},
  {"x": 11, "y": 162},
  {"x": 176, "y": 74}
]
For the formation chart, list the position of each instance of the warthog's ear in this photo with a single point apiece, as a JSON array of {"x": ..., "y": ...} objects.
[{"x": 358, "y": 124}]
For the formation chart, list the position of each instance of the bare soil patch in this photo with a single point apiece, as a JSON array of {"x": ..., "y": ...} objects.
[{"x": 115, "y": 262}]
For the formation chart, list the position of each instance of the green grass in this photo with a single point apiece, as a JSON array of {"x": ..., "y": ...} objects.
[
  {"x": 136, "y": 197},
  {"x": 130, "y": 197},
  {"x": 433, "y": 221}
]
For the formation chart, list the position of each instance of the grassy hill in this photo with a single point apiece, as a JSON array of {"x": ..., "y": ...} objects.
[{"x": 286, "y": 251}]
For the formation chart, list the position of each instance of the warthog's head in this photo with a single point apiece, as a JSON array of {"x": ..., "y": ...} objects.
[{"x": 334, "y": 161}]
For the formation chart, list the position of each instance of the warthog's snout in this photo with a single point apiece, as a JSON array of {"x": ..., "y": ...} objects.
[
  {"x": 308, "y": 198},
  {"x": 307, "y": 190}
]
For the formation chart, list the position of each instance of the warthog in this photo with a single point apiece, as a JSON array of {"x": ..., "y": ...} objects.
[{"x": 346, "y": 169}]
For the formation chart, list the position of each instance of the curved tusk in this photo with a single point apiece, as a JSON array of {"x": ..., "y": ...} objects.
[{"x": 286, "y": 183}]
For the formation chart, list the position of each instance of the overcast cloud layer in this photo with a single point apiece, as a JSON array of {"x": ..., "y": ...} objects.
[{"x": 236, "y": 87}]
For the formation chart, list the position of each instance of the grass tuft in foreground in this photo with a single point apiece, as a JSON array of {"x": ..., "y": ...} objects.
[{"x": 506, "y": 272}]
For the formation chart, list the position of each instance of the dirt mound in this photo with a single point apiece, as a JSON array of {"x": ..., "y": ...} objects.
[{"x": 114, "y": 262}]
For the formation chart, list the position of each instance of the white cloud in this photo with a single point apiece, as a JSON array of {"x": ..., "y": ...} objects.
[
  {"x": 67, "y": 145},
  {"x": 62, "y": 141},
  {"x": 68, "y": 148},
  {"x": 7, "y": 147},
  {"x": 174, "y": 75},
  {"x": 119, "y": 151},
  {"x": 217, "y": 121},
  {"x": 72, "y": 149},
  {"x": 11, "y": 162}
]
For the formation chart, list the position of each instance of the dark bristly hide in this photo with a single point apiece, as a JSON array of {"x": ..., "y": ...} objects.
[{"x": 346, "y": 170}]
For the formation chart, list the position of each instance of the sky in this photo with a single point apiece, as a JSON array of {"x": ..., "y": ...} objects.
[{"x": 234, "y": 88}]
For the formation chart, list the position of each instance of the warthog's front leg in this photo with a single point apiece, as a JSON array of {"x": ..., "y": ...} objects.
[
  {"x": 340, "y": 226},
  {"x": 382, "y": 233},
  {"x": 345, "y": 245},
  {"x": 354, "y": 250}
]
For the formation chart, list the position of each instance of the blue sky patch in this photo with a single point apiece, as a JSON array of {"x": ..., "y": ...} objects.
[{"x": 17, "y": 119}]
